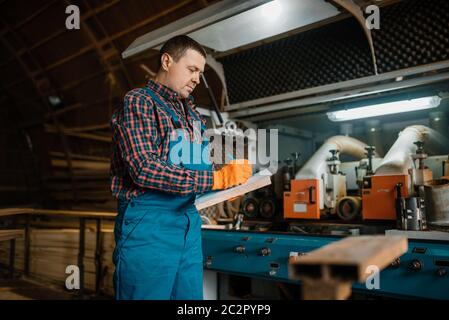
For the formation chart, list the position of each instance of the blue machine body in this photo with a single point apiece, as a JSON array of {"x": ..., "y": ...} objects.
[{"x": 422, "y": 273}]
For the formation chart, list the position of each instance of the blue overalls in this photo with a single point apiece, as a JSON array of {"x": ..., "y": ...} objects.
[{"x": 158, "y": 253}]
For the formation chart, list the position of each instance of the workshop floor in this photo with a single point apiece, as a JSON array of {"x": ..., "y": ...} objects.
[{"x": 25, "y": 289}]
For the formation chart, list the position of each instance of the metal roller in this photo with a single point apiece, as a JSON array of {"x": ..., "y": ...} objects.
[
  {"x": 250, "y": 207},
  {"x": 348, "y": 208}
]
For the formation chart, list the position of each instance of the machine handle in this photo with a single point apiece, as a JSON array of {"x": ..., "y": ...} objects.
[
  {"x": 311, "y": 189},
  {"x": 398, "y": 190},
  {"x": 444, "y": 166}
]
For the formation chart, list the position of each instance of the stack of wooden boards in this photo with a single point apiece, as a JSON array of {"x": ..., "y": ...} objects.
[{"x": 52, "y": 250}]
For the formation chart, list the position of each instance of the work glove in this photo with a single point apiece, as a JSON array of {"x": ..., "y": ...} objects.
[{"x": 232, "y": 174}]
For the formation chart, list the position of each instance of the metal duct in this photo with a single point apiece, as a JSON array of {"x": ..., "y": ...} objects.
[
  {"x": 398, "y": 159},
  {"x": 316, "y": 166}
]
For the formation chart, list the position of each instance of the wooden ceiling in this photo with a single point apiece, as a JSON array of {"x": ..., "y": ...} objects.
[
  {"x": 40, "y": 58},
  {"x": 82, "y": 70}
]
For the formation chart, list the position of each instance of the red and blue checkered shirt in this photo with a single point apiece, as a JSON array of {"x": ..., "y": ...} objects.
[{"x": 141, "y": 136}]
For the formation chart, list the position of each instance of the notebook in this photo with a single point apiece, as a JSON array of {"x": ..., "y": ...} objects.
[{"x": 256, "y": 181}]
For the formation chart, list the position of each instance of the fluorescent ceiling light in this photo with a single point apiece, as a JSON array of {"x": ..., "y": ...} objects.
[
  {"x": 265, "y": 21},
  {"x": 385, "y": 109}
]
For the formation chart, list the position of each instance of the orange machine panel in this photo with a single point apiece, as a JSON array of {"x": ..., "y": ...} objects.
[
  {"x": 303, "y": 200},
  {"x": 379, "y": 199}
]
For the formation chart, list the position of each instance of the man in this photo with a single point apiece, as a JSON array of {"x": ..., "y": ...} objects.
[{"x": 158, "y": 251}]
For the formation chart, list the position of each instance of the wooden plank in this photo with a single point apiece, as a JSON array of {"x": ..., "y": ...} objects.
[
  {"x": 14, "y": 211},
  {"x": 10, "y": 234},
  {"x": 52, "y": 250},
  {"x": 60, "y": 213},
  {"x": 75, "y": 214},
  {"x": 90, "y": 136},
  {"x": 348, "y": 259},
  {"x": 325, "y": 290},
  {"x": 79, "y": 156},
  {"x": 81, "y": 164},
  {"x": 257, "y": 181}
]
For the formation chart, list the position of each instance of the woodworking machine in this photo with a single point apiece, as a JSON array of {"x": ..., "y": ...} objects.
[
  {"x": 388, "y": 189},
  {"x": 420, "y": 273}
]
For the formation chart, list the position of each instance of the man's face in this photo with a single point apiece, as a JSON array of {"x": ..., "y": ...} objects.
[{"x": 184, "y": 74}]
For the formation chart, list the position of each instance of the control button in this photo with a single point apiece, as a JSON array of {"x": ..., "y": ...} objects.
[
  {"x": 239, "y": 249},
  {"x": 265, "y": 252},
  {"x": 415, "y": 265},
  {"x": 441, "y": 272}
]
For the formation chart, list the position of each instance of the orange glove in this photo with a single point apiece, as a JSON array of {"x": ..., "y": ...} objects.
[{"x": 232, "y": 174}]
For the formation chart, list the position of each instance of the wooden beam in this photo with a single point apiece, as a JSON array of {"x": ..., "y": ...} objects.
[
  {"x": 84, "y": 17},
  {"x": 104, "y": 61},
  {"x": 114, "y": 50},
  {"x": 82, "y": 164},
  {"x": 11, "y": 234},
  {"x": 328, "y": 272},
  {"x": 45, "y": 118},
  {"x": 31, "y": 17},
  {"x": 91, "y": 76},
  {"x": 78, "y": 82},
  {"x": 109, "y": 39},
  {"x": 61, "y": 213},
  {"x": 44, "y": 100},
  {"x": 88, "y": 128},
  {"x": 89, "y": 136}
]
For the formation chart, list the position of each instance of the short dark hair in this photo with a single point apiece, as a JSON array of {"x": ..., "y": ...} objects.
[{"x": 177, "y": 46}]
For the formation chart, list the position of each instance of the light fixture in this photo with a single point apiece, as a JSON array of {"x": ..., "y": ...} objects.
[
  {"x": 230, "y": 24},
  {"x": 271, "y": 11},
  {"x": 385, "y": 109},
  {"x": 54, "y": 100}
]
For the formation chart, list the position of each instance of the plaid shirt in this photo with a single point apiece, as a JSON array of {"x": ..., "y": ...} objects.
[{"x": 141, "y": 136}]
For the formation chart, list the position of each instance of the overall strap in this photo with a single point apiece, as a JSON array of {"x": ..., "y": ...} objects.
[
  {"x": 174, "y": 116},
  {"x": 195, "y": 116}
]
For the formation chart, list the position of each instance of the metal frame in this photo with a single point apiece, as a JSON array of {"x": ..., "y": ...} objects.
[
  {"x": 340, "y": 85},
  {"x": 326, "y": 94},
  {"x": 218, "y": 68}
]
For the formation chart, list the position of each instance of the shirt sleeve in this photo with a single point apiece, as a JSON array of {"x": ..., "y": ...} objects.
[{"x": 138, "y": 143}]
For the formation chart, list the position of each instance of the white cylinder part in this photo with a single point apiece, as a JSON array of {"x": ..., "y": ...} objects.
[
  {"x": 398, "y": 160},
  {"x": 317, "y": 166}
]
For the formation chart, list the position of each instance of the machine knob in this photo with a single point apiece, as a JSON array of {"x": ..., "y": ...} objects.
[
  {"x": 441, "y": 272},
  {"x": 265, "y": 252},
  {"x": 240, "y": 249},
  {"x": 396, "y": 263},
  {"x": 415, "y": 265}
]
